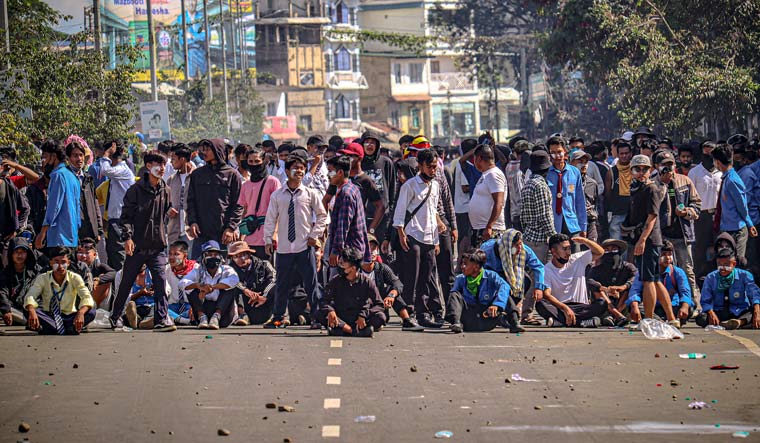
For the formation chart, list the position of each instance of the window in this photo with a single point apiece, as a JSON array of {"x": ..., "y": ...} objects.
[
  {"x": 283, "y": 123},
  {"x": 306, "y": 123},
  {"x": 397, "y": 73},
  {"x": 394, "y": 118},
  {"x": 307, "y": 78},
  {"x": 328, "y": 62},
  {"x": 415, "y": 72},
  {"x": 342, "y": 108},
  {"x": 341, "y": 13},
  {"x": 342, "y": 60},
  {"x": 435, "y": 67},
  {"x": 271, "y": 109},
  {"x": 368, "y": 110},
  {"x": 414, "y": 113}
]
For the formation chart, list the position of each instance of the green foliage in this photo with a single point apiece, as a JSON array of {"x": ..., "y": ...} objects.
[
  {"x": 60, "y": 89},
  {"x": 668, "y": 64},
  {"x": 415, "y": 44}
]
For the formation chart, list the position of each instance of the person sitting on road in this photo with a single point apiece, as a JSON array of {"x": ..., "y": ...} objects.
[
  {"x": 675, "y": 281},
  {"x": 730, "y": 297},
  {"x": 510, "y": 257},
  {"x": 140, "y": 305},
  {"x": 479, "y": 298},
  {"x": 389, "y": 286},
  {"x": 351, "y": 304},
  {"x": 611, "y": 279},
  {"x": 16, "y": 279},
  {"x": 566, "y": 301},
  {"x": 179, "y": 266},
  {"x": 207, "y": 289},
  {"x": 103, "y": 275},
  {"x": 256, "y": 284},
  {"x": 58, "y": 302}
]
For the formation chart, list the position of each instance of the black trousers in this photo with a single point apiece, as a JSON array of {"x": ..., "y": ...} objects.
[
  {"x": 256, "y": 315},
  {"x": 375, "y": 320},
  {"x": 582, "y": 311},
  {"x": 47, "y": 321},
  {"x": 705, "y": 238},
  {"x": 419, "y": 278},
  {"x": 723, "y": 315},
  {"x": 445, "y": 265},
  {"x": 469, "y": 316},
  {"x": 115, "y": 247},
  {"x": 224, "y": 303},
  {"x": 292, "y": 270},
  {"x": 156, "y": 264}
]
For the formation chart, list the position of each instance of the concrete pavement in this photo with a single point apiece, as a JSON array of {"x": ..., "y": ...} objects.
[{"x": 584, "y": 385}]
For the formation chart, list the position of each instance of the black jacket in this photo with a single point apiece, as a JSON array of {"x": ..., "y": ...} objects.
[
  {"x": 92, "y": 222},
  {"x": 36, "y": 195},
  {"x": 143, "y": 214},
  {"x": 351, "y": 300},
  {"x": 386, "y": 280},
  {"x": 212, "y": 200},
  {"x": 259, "y": 277},
  {"x": 13, "y": 286},
  {"x": 15, "y": 208}
]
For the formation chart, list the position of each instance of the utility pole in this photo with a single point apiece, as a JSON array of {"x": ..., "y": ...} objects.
[
  {"x": 224, "y": 65},
  {"x": 244, "y": 48},
  {"x": 4, "y": 24},
  {"x": 208, "y": 50},
  {"x": 184, "y": 40},
  {"x": 96, "y": 21},
  {"x": 152, "y": 52}
]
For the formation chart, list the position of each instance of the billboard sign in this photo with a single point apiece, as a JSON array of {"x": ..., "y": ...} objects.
[{"x": 154, "y": 117}]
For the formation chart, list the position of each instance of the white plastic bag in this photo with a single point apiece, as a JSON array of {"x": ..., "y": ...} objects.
[
  {"x": 101, "y": 320},
  {"x": 657, "y": 330}
]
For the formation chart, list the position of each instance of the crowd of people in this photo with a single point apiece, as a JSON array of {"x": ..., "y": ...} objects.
[{"x": 334, "y": 235}]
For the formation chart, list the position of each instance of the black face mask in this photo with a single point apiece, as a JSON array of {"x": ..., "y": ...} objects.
[
  {"x": 562, "y": 261},
  {"x": 212, "y": 262},
  {"x": 341, "y": 272},
  {"x": 707, "y": 162},
  {"x": 258, "y": 172},
  {"x": 612, "y": 259}
]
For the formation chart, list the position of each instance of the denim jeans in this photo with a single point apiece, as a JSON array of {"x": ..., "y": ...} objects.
[{"x": 615, "y": 231}]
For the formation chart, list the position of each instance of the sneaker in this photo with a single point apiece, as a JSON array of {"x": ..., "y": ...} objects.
[
  {"x": 456, "y": 328},
  {"x": 512, "y": 324},
  {"x": 410, "y": 324},
  {"x": 608, "y": 321},
  {"x": 242, "y": 321},
  {"x": 438, "y": 318},
  {"x": 164, "y": 327},
  {"x": 531, "y": 320},
  {"x": 336, "y": 332},
  {"x": 367, "y": 332},
  {"x": 427, "y": 322},
  {"x": 554, "y": 323},
  {"x": 147, "y": 323},
  {"x": 676, "y": 323},
  {"x": 621, "y": 322},
  {"x": 203, "y": 322},
  {"x": 214, "y": 323},
  {"x": 132, "y": 317},
  {"x": 593, "y": 322},
  {"x": 301, "y": 320},
  {"x": 732, "y": 324}
]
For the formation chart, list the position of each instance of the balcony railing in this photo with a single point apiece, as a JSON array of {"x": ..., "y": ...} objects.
[{"x": 452, "y": 81}]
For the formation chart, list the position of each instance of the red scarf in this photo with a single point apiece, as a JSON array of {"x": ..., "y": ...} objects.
[{"x": 189, "y": 264}]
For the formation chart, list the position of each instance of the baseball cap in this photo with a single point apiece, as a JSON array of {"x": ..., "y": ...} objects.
[
  {"x": 641, "y": 160},
  {"x": 419, "y": 143},
  {"x": 664, "y": 157},
  {"x": 354, "y": 149},
  {"x": 579, "y": 154}
]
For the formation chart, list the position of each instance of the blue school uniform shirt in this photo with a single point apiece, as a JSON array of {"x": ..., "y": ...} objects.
[
  {"x": 675, "y": 281},
  {"x": 493, "y": 290},
  {"x": 573, "y": 199},
  {"x": 733, "y": 203},
  {"x": 63, "y": 212},
  {"x": 742, "y": 295},
  {"x": 751, "y": 178},
  {"x": 493, "y": 262}
]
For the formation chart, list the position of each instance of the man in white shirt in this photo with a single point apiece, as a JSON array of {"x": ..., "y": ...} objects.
[
  {"x": 207, "y": 287},
  {"x": 120, "y": 178},
  {"x": 417, "y": 223},
  {"x": 565, "y": 301},
  {"x": 487, "y": 202},
  {"x": 706, "y": 178},
  {"x": 292, "y": 208}
]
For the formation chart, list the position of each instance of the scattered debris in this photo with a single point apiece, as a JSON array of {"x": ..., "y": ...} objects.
[
  {"x": 286, "y": 408},
  {"x": 692, "y": 356},
  {"x": 76, "y": 366},
  {"x": 740, "y": 434},
  {"x": 537, "y": 408},
  {"x": 365, "y": 419},
  {"x": 698, "y": 405},
  {"x": 24, "y": 427},
  {"x": 414, "y": 369},
  {"x": 209, "y": 337},
  {"x": 518, "y": 377},
  {"x": 723, "y": 367},
  {"x": 444, "y": 434},
  {"x": 222, "y": 432},
  {"x": 271, "y": 405}
]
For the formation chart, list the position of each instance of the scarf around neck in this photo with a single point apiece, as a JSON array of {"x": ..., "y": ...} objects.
[
  {"x": 514, "y": 267},
  {"x": 473, "y": 283},
  {"x": 724, "y": 283}
]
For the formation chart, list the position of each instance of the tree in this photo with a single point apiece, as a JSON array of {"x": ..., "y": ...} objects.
[{"x": 667, "y": 64}]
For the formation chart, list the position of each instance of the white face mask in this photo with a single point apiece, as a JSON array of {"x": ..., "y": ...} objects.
[
  {"x": 156, "y": 171},
  {"x": 725, "y": 269},
  {"x": 513, "y": 250},
  {"x": 178, "y": 261},
  {"x": 57, "y": 266},
  {"x": 331, "y": 174},
  {"x": 293, "y": 174},
  {"x": 558, "y": 156}
]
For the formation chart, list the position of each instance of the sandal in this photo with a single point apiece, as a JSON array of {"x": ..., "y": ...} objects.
[{"x": 531, "y": 321}]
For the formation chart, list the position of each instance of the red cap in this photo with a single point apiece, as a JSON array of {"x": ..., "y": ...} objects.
[{"x": 353, "y": 149}]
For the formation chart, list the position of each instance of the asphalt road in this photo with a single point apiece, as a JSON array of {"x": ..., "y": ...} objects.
[{"x": 585, "y": 385}]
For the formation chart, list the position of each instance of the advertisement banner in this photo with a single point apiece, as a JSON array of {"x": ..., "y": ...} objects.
[{"x": 155, "y": 121}]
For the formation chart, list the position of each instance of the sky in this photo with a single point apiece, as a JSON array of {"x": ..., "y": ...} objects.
[{"x": 74, "y": 8}]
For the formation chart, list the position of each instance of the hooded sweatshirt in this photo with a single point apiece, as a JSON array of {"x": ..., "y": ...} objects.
[
  {"x": 13, "y": 285},
  {"x": 212, "y": 200}
]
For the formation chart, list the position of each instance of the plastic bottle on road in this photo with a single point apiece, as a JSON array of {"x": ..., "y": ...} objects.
[
  {"x": 692, "y": 356},
  {"x": 365, "y": 419},
  {"x": 709, "y": 328}
]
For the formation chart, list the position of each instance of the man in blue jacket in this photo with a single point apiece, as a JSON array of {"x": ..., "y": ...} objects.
[
  {"x": 677, "y": 284},
  {"x": 730, "y": 297},
  {"x": 568, "y": 200},
  {"x": 62, "y": 216},
  {"x": 732, "y": 212},
  {"x": 479, "y": 296}
]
